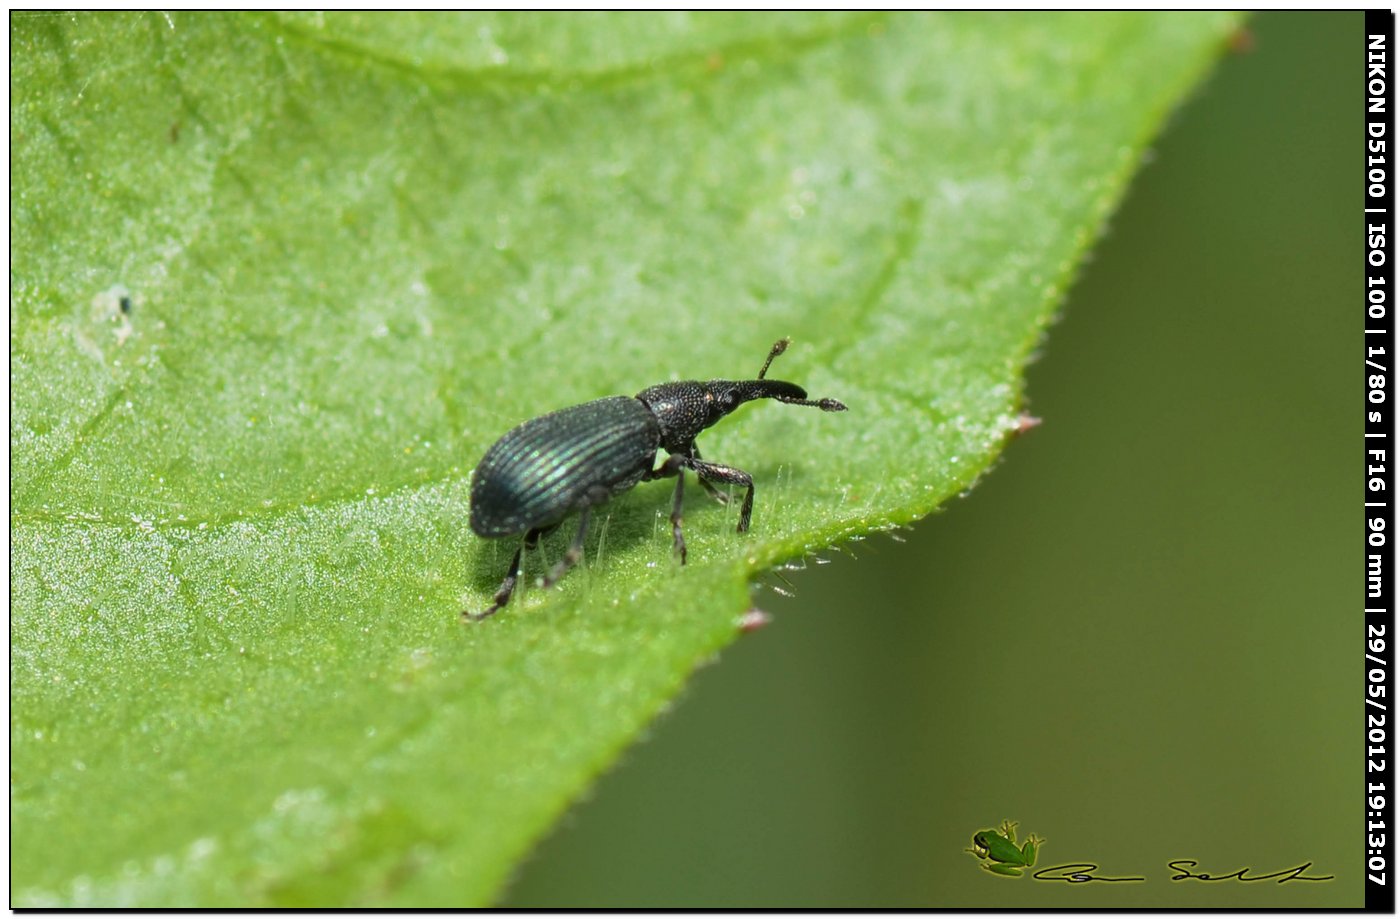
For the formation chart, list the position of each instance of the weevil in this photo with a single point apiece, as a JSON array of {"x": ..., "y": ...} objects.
[{"x": 576, "y": 458}]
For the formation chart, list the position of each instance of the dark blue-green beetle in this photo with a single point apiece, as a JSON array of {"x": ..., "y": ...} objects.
[{"x": 577, "y": 458}]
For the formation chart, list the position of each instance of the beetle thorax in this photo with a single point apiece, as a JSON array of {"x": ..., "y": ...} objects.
[{"x": 683, "y": 410}]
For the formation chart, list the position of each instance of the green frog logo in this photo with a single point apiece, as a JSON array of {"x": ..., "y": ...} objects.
[{"x": 997, "y": 849}]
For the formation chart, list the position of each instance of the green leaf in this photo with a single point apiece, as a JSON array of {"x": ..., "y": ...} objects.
[{"x": 356, "y": 250}]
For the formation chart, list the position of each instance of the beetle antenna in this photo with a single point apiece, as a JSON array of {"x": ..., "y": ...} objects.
[
  {"x": 826, "y": 405},
  {"x": 779, "y": 347}
]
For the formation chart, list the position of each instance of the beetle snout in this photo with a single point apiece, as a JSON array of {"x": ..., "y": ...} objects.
[{"x": 781, "y": 390}]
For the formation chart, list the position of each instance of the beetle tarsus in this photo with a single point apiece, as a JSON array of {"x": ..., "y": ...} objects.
[
  {"x": 507, "y": 587},
  {"x": 493, "y": 609}
]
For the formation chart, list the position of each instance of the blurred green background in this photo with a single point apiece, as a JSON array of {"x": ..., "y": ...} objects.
[{"x": 1138, "y": 637}]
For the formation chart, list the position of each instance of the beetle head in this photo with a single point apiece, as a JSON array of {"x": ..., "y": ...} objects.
[{"x": 686, "y": 408}]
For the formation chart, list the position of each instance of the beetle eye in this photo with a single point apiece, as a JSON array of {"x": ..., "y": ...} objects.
[{"x": 728, "y": 400}]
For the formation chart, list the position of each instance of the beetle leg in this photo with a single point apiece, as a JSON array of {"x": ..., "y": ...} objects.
[
  {"x": 730, "y": 476},
  {"x": 677, "y": 537},
  {"x": 575, "y": 550},
  {"x": 571, "y": 556},
  {"x": 710, "y": 489},
  {"x": 674, "y": 466},
  {"x": 502, "y": 597}
]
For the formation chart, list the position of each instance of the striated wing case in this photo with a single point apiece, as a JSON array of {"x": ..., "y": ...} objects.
[{"x": 542, "y": 470}]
